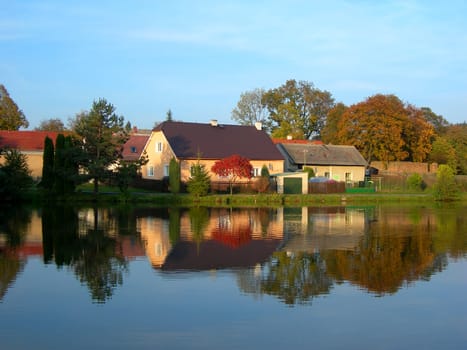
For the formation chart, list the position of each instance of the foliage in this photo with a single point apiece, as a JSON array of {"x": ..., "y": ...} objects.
[
  {"x": 174, "y": 176},
  {"x": 329, "y": 131},
  {"x": 199, "y": 220},
  {"x": 262, "y": 183},
  {"x": 53, "y": 124},
  {"x": 437, "y": 121},
  {"x": 103, "y": 135},
  {"x": 14, "y": 175},
  {"x": 383, "y": 128},
  {"x": 169, "y": 117},
  {"x": 59, "y": 164},
  {"x": 310, "y": 171},
  {"x": 47, "y": 181},
  {"x": 11, "y": 117},
  {"x": 415, "y": 182},
  {"x": 442, "y": 152},
  {"x": 199, "y": 182},
  {"x": 445, "y": 187},
  {"x": 297, "y": 109},
  {"x": 456, "y": 134},
  {"x": 127, "y": 172},
  {"x": 233, "y": 168},
  {"x": 265, "y": 171},
  {"x": 251, "y": 109}
]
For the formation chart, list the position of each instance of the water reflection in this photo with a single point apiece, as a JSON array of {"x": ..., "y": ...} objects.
[{"x": 293, "y": 254}]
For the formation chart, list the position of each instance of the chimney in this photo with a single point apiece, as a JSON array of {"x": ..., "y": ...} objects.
[
  {"x": 214, "y": 122},
  {"x": 259, "y": 125}
]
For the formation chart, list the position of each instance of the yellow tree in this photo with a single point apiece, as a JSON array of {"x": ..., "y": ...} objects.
[
  {"x": 418, "y": 134},
  {"x": 375, "y": 127}
]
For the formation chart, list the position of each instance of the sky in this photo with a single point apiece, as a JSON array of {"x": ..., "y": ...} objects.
[{"x": 197, "y": 57}]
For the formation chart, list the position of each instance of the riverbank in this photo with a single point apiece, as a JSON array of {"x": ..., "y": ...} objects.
[{"x": 239, "y": 200}]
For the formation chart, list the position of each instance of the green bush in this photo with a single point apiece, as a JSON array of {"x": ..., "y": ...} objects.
[
  {"x": 445, "y": 187},
  {"x": 415, "y": 182}
]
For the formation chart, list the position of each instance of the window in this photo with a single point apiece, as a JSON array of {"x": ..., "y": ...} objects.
[
  {"x": 256, "y": 172},
  {"x": 271, "y": 167},
  {"x": 348, "y": 177},
  {"x": 133, "y": 149},
  {"x": 326, "y": 174},
  {"x": 166, "y": 170},
  {"x": 151, "y": 171},
  {"x": 159, "y": 147}
]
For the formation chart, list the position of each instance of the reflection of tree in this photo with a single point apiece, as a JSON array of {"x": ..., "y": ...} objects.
[
  {"x": 199, "y": 219},
  {"x": 295, "y": 278},
  {"x": 174, "y": 225},
  {"x": 232, "y": 237},
  {"x": 10, "y": 267},
  {"x": 13, "y": 224},
  {"x": 92, "y": 256},
  {"x": 384, "y": 261},
  {"x": 450, "y": 231}
]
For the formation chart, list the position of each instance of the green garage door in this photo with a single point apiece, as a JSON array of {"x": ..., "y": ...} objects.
[{"x": 292, "y": 185}]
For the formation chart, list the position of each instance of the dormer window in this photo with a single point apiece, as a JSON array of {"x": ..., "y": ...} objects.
[{"x": 133, "y": 149}]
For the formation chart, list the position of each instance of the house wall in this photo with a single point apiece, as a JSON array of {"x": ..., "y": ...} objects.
[
  {"x": 337, "y": 173},
  {"x": 158, "y": 160},
  {"x": 274, "y": 167},
  {"x": 34, "y": 161}
]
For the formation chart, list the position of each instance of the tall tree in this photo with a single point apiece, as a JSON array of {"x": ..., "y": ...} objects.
[
  {"x": 52, "y": 124},
  {"x": 375, "y": 128},
  {"x": 169, "y": 116},
  {"x": 174, "y": 176},
  {"x": 11, "y": 117},
  {"x": 456, "y": 134},
  {"x": 330, "y": 128},
  {"x": 418, "y": 134},
  {"x": 14, "y": 175},
  {"x": 199, "y": 181},
  {"x": 233, "y": 168},
  {"x": 439, "y": 123},
  {"x": 47, "y": 181},
  {"x": 103, "y": 135},
  {"x": 250, "y": 109},
  {"x": 297, "y": 109},
  {"x": 59, "y": 165}
]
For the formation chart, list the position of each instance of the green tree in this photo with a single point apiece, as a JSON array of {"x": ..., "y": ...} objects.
[
  {"x": 48, "y": 175},
  {"x": 199, "y": 182},
  {"x": 59, "y": 165},
  {"x": 442, "y": 152},
  {"x": 445, "y": 187},
  {"x": 72, "y": 152},
  {"x": 169, "y": 116},
  {"x": 174, "y": 176},
  {"x": 456, "y": 134},
  {"x": 53, "y": 124},
  {"x": 128, "y": 171},
  {"x": 250, "y": 109},
  {"x": 297, "y": 109},
  {"x": 15, "y": 176},
  {"x": 415, "y": 182},
  {"x": 330, "y": 128},
  {"x": 103, "y": 135},
  {"x": 437, "y": 121},
  {"x": 11, "y": 117}
]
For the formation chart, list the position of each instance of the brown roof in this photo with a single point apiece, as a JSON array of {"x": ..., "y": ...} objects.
[
  {"x": 324, "y": 154},
  {"x": 133, "y": 148},
  {"x": 216, "y": 142},
  {"x": 26, "y": 140}
]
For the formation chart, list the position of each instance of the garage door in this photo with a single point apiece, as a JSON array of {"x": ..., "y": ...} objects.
[{"x": 292, "y": 185}]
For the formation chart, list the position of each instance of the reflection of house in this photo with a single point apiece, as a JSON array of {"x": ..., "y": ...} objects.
[
  {"x": 228, "y": 239},
  {"x": 327, "y": 228},
  {"x": 340, "y": 163},
  {"x": 190, "y": 142},
  {"x": 29, "y": 143}
]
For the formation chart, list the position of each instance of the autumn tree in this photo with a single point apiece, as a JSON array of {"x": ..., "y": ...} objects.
[
  {"x": 297, "y": 109},
  {"x": 103, "y": 134},
  {"x": 330, "y": 128},
  {"x": 53, "y": 124},
  {"x": 251, "y": 109},
  {"x": 442, "y": 152},
  {"x": 437, "y": 121},
  {"x": 418, "y": 134},
  {"x": 233, "y": 168},
  {"x": 11, "y": 117}
]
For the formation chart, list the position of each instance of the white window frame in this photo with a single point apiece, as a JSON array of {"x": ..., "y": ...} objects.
[
  {"x": 150, "y": 171},
  {"x": 166, "y": 169},
  {"x": 256, "y": 172},
  {"x": 159, "y": 147}
]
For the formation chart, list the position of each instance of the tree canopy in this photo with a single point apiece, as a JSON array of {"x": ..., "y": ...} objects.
[
  {"x": 383, "y": 128},
  {"x": 11, "y": 117},
  {"x": 297, "y": 109},
  {"x": 233, "y": 168},
  {"x": 103, "y": 135},
  {"x": 52, "y": 124},
  {"x": 250, "y": 109}
]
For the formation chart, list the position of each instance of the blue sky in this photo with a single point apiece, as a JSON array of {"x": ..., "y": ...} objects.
[{"x": 197, "y": 57}]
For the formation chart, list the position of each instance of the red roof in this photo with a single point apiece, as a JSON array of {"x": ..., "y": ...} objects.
[
  {"x": 134, "y": 146},
  {"x": 217, "y": 141},
  {"x": 26, "y": 140}
]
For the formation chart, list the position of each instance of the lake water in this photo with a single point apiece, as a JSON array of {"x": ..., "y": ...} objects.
[{"x": 374, "y": 277}]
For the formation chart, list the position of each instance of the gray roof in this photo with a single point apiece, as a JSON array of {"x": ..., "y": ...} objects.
[{"x": 311, "y": 154}]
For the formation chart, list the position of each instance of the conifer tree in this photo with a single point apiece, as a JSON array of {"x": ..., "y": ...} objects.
[{"x": 47, "y": 181}]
